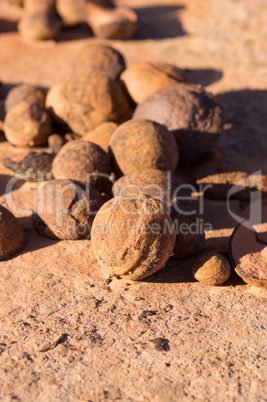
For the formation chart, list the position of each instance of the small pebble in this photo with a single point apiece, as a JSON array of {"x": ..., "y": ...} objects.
[{"x": 211, "y": 268}]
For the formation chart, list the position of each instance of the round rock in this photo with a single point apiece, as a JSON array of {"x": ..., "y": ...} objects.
[
  {"x": 132, "y": 238},
  {"x": 32, "y": 6},
  {"x": 66, "y": 209},
  {"x": 27, "y": 124},
  {"x": 39, "y": 25},
  {"x": 109, "y": 21},
  {"x": 101, "y": 134},
  {"x": 85, "y": 102},
  {"x": 101, "y": 58},
  {"x": 191, "y": 113},
  {"x": 143, "y": 79},
  {"x": 142, "y": 144},
  {"x": 83, "y": 161},
  {"x": 71, "y": 12},
  {"x": 27, "y": 93}
]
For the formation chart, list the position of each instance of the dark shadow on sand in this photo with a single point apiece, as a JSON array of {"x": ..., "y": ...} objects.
[
  {"x": 159, "y": 22},
  {"x": 204, "y": 76},
  {"x": 180, "y": 271},
  {"x": 5, "y": 179},
  {"x": 74, "y": 33},
  {"x": 7, "y": 26},
  {"x": 36, "y": 242}
]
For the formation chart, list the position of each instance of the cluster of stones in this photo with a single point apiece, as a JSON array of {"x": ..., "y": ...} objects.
[
  {"x": 114, "y": 162},
  {"x": 43, "y": 19}
]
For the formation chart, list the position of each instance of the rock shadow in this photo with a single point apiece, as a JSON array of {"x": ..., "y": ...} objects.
[
  {"x": 35, "y": 242},
  {"x": 5, "y": 179},
  {"x": 4, "y": 89},
  {"x": 7, "y": 26},
  {"x": 246, "y": 117},
  {"x": 176, "y": 271},
  {"x": 204, "y": 76},
  {"x": 74, "y": 33},
  {"x": 159, "y": 22}
]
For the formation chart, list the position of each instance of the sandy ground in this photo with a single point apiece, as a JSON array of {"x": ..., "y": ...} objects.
[{"x": 214, "y": 344}]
